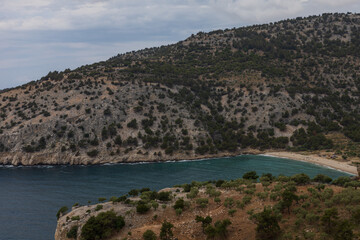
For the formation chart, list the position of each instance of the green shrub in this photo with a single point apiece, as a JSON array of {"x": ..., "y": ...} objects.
[
  {"x": 178, "y": 211},
  {"x": 202, "y": 202},
  {"x": 99, "y": 207},
  {"x": 72, "y": 233},
  {"x": 102, "y": 226},
  {"x": 142, "y": 208},
  {"x": 179, "y": 204},
  {"x": 164, "y": 196},
  {"x": 134, "y": 192},
  {"x": 149, "y": 235},
  {"x": 250, "y": 175},
  {"x": 166, "y": 232},
  {"x": 93, "y": 153},
  {"x": 61, "y": 211},
  {"x": 267, "y": 225},
  {"x": 204, "y": 221},
  {"x": 132, "y": 124},
  {"x": 75, "y": 218},
  {"x": 229, "y": 202},
  {"x": 231, "y": 212},
  {"x": 322, "y": 178},
  {"x": 218, "y": 230},
  {"x": 301, "y": 179}
]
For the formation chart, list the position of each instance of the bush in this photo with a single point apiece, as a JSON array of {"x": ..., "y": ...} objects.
[
  {"x": 202, "y": 202},
  {"x": 72, "y": 233},
  {"x": 322, "y": 178},
  {"x": 102, "y": 226},
  {"x": 166, "y": 232},
  {"x": 204, "y": 221},
  {"x": 179, "y": 204},
  {"x": 267, "y": 225},
  {"x": 98, "y": 207},
  {"x": 61, "y": 211},
  {"x": 93, "y": 153},
  {"x": 250, "y": 175},
  {"x": 134, "y": 192},
  {"x": 75, "y": 218},
  {"x": 142, "y": 208},
  {"x": 343, "y": 231},
  {"x": 164, "y": 196},
  {"x": 218, "y": 230},
  {"x": 132, "y": 124},
  {"x": 149, "y": 235},
  {"x": 301, "y": 179},
  {"x": 341, "y": 181}
]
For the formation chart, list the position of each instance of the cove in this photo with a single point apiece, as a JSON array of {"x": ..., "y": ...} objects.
[{"x": 31, "y": 196}]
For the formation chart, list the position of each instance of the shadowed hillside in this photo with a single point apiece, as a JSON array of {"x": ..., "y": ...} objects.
[{"x": 294, "y": 84}]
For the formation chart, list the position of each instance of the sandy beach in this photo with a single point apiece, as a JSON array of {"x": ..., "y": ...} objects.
[{"x": 311, "y": 158}]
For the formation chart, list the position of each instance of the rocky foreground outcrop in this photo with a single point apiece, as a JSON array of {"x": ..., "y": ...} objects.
[{"x": 279, "y": 204}]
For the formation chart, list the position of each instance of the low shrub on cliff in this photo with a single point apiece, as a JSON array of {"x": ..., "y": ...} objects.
[
  {"x": 61, "y": 211},
  {"x": 102, "y": 226},
  {"x": 72, "y": 233},
  {"x": 149, "y": 235}
]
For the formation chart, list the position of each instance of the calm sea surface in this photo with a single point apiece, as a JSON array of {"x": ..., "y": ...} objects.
[{"x": 31, "y": 196}]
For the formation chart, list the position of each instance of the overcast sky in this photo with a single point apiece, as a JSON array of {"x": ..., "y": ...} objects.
[{"x": 39, "y": 36}]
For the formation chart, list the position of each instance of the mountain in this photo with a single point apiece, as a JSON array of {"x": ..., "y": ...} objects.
[{"x": 294, "y": 85}]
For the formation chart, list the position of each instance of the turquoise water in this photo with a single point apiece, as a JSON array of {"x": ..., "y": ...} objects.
[{"x": 31, "y": 196}]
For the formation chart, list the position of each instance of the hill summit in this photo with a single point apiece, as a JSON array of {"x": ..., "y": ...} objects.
[{"x": 294, "y": 84}]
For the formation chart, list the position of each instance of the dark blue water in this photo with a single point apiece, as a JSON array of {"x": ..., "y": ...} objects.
[{"x": 31, "y": 196}]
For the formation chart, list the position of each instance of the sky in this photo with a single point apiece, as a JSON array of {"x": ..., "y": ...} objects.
[{"x": 39, "y": 36}]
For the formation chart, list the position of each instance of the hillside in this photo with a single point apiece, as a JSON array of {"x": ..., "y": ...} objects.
[
  {"x": 276, "y": 208},
  {"x": 294, "y": 85}
]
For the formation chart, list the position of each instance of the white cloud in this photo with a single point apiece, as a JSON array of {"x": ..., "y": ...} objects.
[{"x": 43, "y": 35}]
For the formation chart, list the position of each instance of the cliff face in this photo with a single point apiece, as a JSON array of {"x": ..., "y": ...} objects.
[{"x": 280, "y": 85}]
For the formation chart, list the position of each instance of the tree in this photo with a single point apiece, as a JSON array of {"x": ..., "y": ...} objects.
[
  {"x": 267, "y": 225},
  {"x": 287, "y": 199},
  {"x": 301, "y": 179},
  {"x": 328, "y": 218},
  {"x": 142, "y": 208},
  {"x": 344, "y": 231},
  {"x": 72, "y": 233},
  {"x": 132, "y": 124},
  {"x": 149, "y": 235},
  {"x": 218, "y": 230},
  {"x": 250, "y": 175},
  {"x": 133, "y": 192},
  {"x": 322, "y": 178},
  {"x": 166, "y": 232},
  {"x": 61, "y": 211},
  {"x": 179, "y": 204},
  {"x": 102, "y": 226},
  {"x": 204, "y": 221}
]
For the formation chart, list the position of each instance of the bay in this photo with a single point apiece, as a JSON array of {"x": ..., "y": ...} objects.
[{"x": 31, "y": 196}]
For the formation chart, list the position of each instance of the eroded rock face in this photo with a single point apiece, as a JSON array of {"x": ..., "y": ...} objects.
[{"x": 69, "y": 159}]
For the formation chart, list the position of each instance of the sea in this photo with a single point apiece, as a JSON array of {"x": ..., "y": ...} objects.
[{"x": 31, "y": 196}]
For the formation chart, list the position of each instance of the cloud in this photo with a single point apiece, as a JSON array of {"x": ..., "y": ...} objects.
[
  {"x": 39, "y": 36},
  {"x": 23, "y": 15}
]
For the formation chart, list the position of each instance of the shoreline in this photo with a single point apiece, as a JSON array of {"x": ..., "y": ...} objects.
[
  {"x": 310, "y": 158},
  {"x": 315, "y": 159}
]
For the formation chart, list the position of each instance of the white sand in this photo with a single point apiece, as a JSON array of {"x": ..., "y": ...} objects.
[{"x": 342, "y": 166}]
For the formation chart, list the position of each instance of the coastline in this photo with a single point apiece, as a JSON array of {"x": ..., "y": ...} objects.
[
  {"x": 305, "y": 157},
  {"x": 312, "y": 158}
]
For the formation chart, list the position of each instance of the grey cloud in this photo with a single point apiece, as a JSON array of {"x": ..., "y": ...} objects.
[{"x": 42, "y": 35}]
